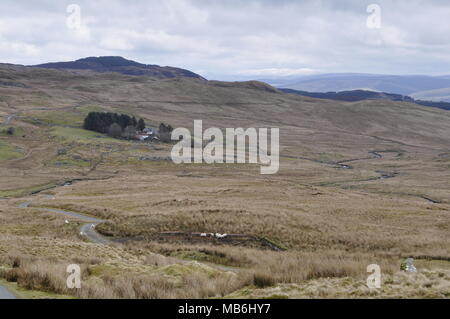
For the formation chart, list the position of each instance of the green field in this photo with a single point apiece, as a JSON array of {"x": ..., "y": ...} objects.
[
  {"x": 8, "y": 151},
  {"x": 22, "y": 293},
  {"x": 78, "y": 135},
  {"x": 72, "y": 117}
]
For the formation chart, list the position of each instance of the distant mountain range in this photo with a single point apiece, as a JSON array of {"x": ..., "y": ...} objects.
[
  {"x": 121, "y": 65},
  {"x": 419, "y": 87},
  {"x": 361, "y": 95}
]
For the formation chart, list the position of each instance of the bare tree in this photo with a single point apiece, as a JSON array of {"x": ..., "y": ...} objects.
[
  {"x": 10, "y": 131},
  {"x": 165, "y": 132},
  {"x": 115, "y": 130},
  {"x": 129, "y": 132}
]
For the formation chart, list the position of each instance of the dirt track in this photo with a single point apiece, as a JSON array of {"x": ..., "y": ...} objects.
[
  {"x": 5, "y": 294},
  {"x": 344, "y": 164}
]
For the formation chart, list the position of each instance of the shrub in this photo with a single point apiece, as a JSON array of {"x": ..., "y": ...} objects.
[{"x": 263, "y": 280}]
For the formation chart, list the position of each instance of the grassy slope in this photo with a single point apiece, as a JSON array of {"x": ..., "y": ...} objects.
[
  {"x": 22, "y": 293},
  {"x": 8, "y": 152},
  {"x": 333, "y": 221}
]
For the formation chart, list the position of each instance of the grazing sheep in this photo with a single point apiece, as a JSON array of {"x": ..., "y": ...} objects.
[
  {"x": 221, "y": 236},
  {"x": 66, "y": 221}
]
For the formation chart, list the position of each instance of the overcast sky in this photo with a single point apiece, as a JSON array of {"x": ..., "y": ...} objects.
[{"x": 231, "y": 39}]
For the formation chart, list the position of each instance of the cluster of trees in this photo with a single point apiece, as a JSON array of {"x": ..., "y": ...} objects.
[
  {"x": 121, "y": 125},
  {"x": 165, "y": 128},
  {"x": 114, "y": 124},
  {"x": 10, "y": 131},
  {"x": 165, "y": 132}
]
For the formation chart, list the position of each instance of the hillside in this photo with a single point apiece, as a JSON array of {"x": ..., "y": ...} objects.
[
  {"x": 121, "y": 65},
  {"x": 219, "y": 103},
  {"x": 437, "y": 95},
  {"x": 359, "y": 182},
  {"x": 361, "y": 95},
  {"x": 399, "y": 84},
  {"x": 352, "y": 96}
]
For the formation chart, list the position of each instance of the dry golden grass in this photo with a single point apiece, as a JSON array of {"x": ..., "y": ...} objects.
[
  {"x": 299, "y": 217},
  {"x": 426, "y": 284},
  {"x": 333, "y": 222}
]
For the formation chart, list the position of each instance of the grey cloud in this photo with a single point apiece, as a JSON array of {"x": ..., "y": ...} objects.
[{"x": 230, "y": 39}]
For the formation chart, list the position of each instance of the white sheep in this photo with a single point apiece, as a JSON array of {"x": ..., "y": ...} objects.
[{"x": 221, "y": 236}]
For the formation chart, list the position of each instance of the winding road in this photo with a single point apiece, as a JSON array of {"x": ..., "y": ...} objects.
[
  {"x": 9, "y": 119},
  {"x": 5, "y": 294},
  {"x": 87, "y": 230},
  {"x": 344, "y": 164}
]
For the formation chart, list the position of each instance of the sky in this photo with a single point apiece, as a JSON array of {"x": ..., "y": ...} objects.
[{"x": 234, "y": 40}]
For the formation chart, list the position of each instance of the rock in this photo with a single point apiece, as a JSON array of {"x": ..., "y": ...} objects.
[{"x": 408, "y": 265}]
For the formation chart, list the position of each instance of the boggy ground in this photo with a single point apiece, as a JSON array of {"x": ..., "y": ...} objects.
[
  {"x": 332, "y": 220},
  {"x": 328, "y": 231}
]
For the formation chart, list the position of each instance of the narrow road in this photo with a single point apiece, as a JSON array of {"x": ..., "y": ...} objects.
[
  {"x": 8, "y": 119},
  {"x": 86, "y": 230},
  {"x": 342, "y": 164},
  {"x": 5, "y": 294}
]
